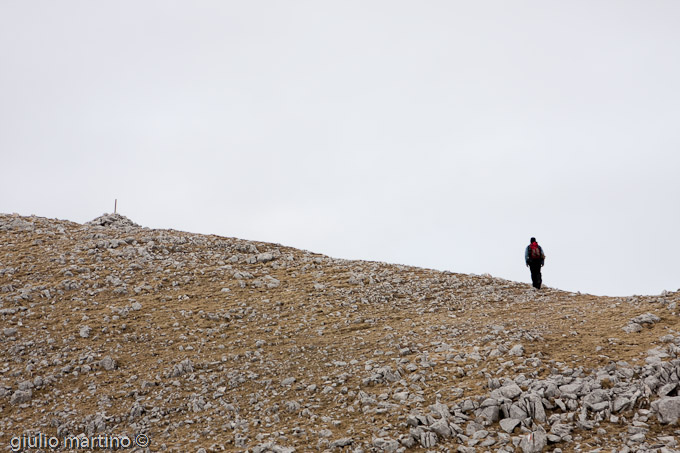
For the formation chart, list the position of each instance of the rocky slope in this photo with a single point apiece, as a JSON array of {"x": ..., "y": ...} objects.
[{"x": 205, "y": 343}]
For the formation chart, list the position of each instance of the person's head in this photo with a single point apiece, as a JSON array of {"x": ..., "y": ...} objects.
[{"x": 533, "y": 240}]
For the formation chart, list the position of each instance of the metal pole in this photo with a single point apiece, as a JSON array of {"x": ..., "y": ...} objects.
[{"x": 115, "y": 206}]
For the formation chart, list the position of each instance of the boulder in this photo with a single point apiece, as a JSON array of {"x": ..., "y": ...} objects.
[
  {"x": 667, "y": 409},
  {"x": 632, "y": 328},
  {"x": 442, "y": 428},
  {"x": 534, "y": 442},
  {"x": 108, "y": 363},
  {"x": 510, "y": 391},
  {"x": 389, "y": 445},
  {"x": 561, "y": 429},
  {"x": 428, "y": 439},
  {"x": 21, "y": 397},
  {"x": 509, "y": 424},
  {"x": 647, "y": 318}
]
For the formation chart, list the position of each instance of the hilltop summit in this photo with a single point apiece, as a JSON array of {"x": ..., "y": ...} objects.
[
  {"x": 114, "y": 221},
  {"x": 206, "y": 343}
]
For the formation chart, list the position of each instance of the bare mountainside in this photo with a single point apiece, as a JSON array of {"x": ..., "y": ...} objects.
[{"x": 204, "y": 343}]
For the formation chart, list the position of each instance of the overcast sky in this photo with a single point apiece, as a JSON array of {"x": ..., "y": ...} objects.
[{"x": 441, "y": 134}]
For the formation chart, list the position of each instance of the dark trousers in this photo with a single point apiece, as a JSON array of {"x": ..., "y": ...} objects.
[{"x": 535, "y": 273}]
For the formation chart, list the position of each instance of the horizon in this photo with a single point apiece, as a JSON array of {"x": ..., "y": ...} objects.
[
  {"x": 442, "y": 134},
  {"x": 463, "y": 272}
]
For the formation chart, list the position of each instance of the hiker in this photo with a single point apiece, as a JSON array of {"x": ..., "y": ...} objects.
[{"x": 535, "y": 258}]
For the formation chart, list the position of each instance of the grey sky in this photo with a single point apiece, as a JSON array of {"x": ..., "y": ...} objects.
[{"x": 432, "y": 133}]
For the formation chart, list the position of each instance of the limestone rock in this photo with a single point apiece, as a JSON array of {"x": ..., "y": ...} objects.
[
  {"x": 343, "y": 442},
  {"x": 667, "y": 409},
  {"x": 84, "y": 331},
  {"x": 632, "y": 327},
  {"x": 509, "y": 424},
  {"x": 534, "y": 442},
  {"x": 21, "y": 397},
  {"x": 428, "y": 439},
  {"x": 388, "y": 445},
  {"x": 108, "y": 363},
  {"x": 441, "y": 428},
  {"x": 646, "y": 319}
]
